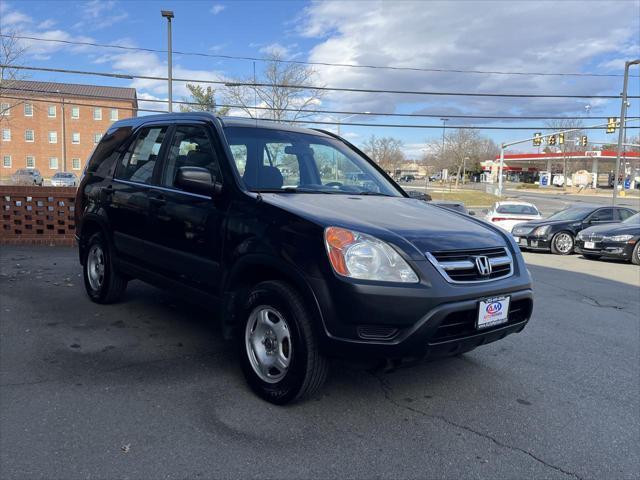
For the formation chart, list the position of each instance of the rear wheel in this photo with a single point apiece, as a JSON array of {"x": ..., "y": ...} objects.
[
  {"x": 278, "y": 347},
  {"x": 635, "y": 256},
  {"x": 562, "y": 243},
  {"x": 101, "y": 280}
]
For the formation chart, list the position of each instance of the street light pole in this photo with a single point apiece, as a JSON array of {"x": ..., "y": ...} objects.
[
  {"x": 623, "y": 113},
  {"x": 444, "y": 127},
  {"x": 168, "y": 14}
]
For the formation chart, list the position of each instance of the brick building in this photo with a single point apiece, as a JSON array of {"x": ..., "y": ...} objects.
[{"x": 54, "y": 127}]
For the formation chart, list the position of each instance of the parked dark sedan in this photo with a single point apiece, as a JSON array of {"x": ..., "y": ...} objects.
[
  {"x": 620, "y": 241},
  {"x": 558, "y": 232}
]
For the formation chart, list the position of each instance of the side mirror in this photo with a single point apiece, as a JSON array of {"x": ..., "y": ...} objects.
[
  {"x": 196, "y": 180},
  {"x": 472, "y": 213},
  {"x": 418, "y": 195}
]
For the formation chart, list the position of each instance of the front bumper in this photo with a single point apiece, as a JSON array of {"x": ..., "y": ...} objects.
[
  {"x": 532, "y": 242},
  {"x": 622, "y": 250}
]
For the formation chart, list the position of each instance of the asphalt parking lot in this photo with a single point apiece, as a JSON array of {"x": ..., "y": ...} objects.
[{"x": 148, "y": 389}]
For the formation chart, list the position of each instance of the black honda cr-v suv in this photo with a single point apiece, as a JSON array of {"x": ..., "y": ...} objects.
[{"x": 302, "y": 245}]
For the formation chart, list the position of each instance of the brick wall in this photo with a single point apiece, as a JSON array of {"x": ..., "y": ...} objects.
[{"x": 37, "y": 215}]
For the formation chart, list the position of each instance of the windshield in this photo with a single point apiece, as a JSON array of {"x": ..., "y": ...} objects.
[
  {"x": 633, "y": 219},
  {"x": 517, "y": 209},
  {"x": 571, "y": 214},
  {"x": 293, "y": 162}
]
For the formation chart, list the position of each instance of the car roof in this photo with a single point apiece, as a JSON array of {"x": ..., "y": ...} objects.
[
  {"x": 514, "y": 202},
  {"x": 225, "y": 121}
]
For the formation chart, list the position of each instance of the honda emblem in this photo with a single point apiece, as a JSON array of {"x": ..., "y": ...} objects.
[{"x": 483, "y": 265}]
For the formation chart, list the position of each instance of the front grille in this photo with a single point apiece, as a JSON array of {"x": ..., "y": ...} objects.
[
  {"x": 459, "y": 266},
  {"x": 462, "y": 324}
]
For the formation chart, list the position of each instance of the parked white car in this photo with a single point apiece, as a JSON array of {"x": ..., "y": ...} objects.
[
  {"x": 509, "y": 213},
  {"x": 64, "y": 179}
]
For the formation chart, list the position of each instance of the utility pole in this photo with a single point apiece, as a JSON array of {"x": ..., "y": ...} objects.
[
  {"x": 168, "y": 14},
  {"x": 623, "y": 113}
]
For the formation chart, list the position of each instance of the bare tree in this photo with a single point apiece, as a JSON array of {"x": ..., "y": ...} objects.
[
  {"x": 386, "y": 152},
  {"x": 11, "y": 51},
  {"x": 276, "y": 91},
  {"x": 202, "y": 100}
]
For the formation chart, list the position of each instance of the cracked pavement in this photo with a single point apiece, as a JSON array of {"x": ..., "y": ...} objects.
[{"x": 148, "y": 389}]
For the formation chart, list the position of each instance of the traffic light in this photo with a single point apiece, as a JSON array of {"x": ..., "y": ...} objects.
[
  {"x": 561, "y": 139},
  {"x": 612, "y": 123},
  {"x": 583, "y": 141},
  {"x": 537, "y": 139},
  {"x": 551, "y": 139}
]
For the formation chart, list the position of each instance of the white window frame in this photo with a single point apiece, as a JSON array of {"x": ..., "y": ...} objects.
[
  {"x": 55, "y": 110},
  {"x": 7, "y": 137},
  {"x": 30, "y": 106},
  {"x": 73, "y": 138},
  {"x": 51, "y": 159},
  {"x": 33, "y": 135},
  {"x": 5, "y": 157},
  {"x": 113, "y": 115},
  {"x": 26, "y": 161},
  {"x": 75, "y": 110},
  {"x": 97, "y": 114},
  {"x": 54, "y": 138},
  {"x": 96, "y": 138},
  {"x": 73, "y": 163},
  {"x": 5, "y": 108}
]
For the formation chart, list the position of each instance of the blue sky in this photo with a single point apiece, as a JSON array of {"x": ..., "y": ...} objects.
[{"x": 561, "y": 36}]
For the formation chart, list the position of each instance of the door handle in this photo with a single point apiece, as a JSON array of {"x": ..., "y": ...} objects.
[{"x": 157, "y": 200}]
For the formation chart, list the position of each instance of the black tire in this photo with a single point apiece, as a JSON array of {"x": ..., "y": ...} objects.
[
  {"x": 635, "y": 256},
  {"x": 557, "y": 243},
  {"x": 307, "y": 369},
  {"x": 111, "y": 287},
  {"x": 591, "y": 256}
]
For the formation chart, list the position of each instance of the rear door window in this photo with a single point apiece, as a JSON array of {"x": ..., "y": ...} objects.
[
  {"x": 138, "y": 163},
  {"x": 623, "y": 213}
]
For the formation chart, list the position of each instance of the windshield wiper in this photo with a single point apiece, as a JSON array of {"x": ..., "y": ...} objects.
[
  {"x": 369, "y": 192},
  {"x": 288, "y": 190}
]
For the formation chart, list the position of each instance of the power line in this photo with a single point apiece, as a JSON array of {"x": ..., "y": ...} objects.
[
  {"x": 321, "y": 122},
  {"x": 315, "y": 111},
  {"x": 322, "y": 64},
  {"x": 313, "y": 87}
]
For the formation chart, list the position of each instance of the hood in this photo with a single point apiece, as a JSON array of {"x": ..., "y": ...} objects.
[
  {"x": 542, "y": 222},
  {"x": 613, "y": 229},
  {"x": 426, "y": 227}
]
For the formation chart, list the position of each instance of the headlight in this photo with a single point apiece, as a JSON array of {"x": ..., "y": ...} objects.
[
  {"x": 356, "y": 255},
  {"x": 579, "y": 236},
  {"x": 542, "y": 231},
  {"x": 617, "y": 238}
]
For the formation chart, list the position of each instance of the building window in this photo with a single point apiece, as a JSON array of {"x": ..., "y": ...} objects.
[
  {"x": 5, "y": 109},
  {"x": 75, "y": 163},
  {"x": 53, "y": 163},
  {"x": 97, "y": 137},
  {"x": 29, "y": 136},
  {"x": 51, "y": 111},
  {"x": 75, "y": 137},
  {"x": 53, "y": 137},
  {"x": 75, "y": 112},
  {"x": 97, "y": 114},
  {"x": 28, "y": 110},
  {"x": 6, "y": 135},
  {"x": 31, "y": 161},
  {"x": 6, "y": 161},
  {"x": 114, "y": 115}
]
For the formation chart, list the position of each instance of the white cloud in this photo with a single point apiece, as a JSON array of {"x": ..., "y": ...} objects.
[
  {"x": 217, "y": 8},
  {"x": 277, "y": 49},
  {"x": 98, "y": 14},
  {"x": 496, "y": 36},
  {"x": 14, "y": 19}
]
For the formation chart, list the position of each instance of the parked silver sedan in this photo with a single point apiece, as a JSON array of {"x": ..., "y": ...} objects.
[
  {"x": 64, "y": 179},
  {"x": 27, "y": 176}
]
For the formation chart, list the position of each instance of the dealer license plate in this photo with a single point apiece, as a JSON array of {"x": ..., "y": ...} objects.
[
  {"x": 493, "y": 311},
  {"x": 591, "y": 245},
  {"x": 517, "y": 239},
  {"x": 533, "y": 243},
  {"x": 523, "y": 242}
]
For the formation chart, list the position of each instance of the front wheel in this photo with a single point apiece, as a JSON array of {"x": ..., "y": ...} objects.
[
  {"x": 562, "y": 243},
  {"x": 101, "y": 280},
  {"x": 278, "y": 346},
  {"x": 635, "y": 256}
]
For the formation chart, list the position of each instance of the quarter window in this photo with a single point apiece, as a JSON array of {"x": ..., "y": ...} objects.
[
  {"x": 97, "y": 114},
  {"x": 51, "y": 111},
  {"x": 28, "y": 110},
  {"x": 6, "y": 135},
  {"x": 191, "y": 147},
  {"x": 29, "y": 136},
  {"x": 6, "y": 161},
  {"x": 138, "y": 163},
  {"x": 75, "y": 163},
  {"x": 31, "y": 161},
  {"x": 75, "y": 112},
  {"x": 53, "y": 163}
]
